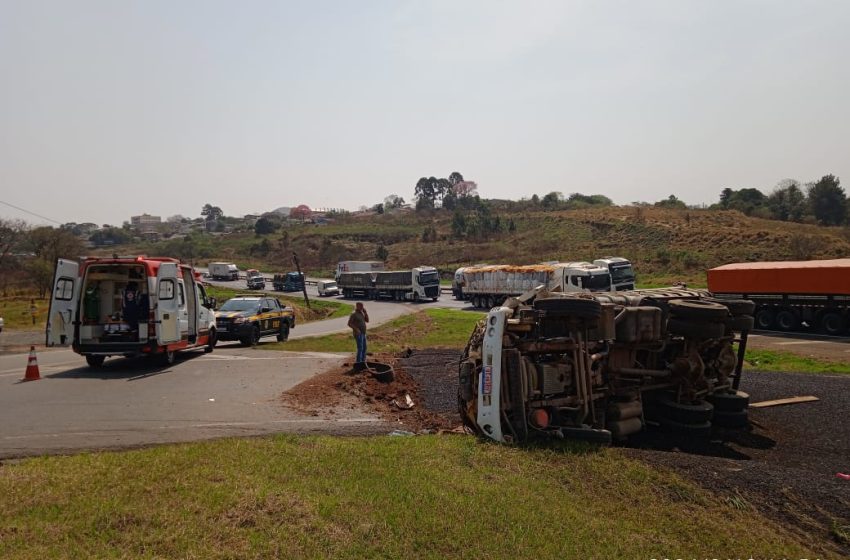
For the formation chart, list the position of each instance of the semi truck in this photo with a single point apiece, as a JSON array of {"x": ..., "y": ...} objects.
[
  {"x": 289, "y": 282},
  {"x": 488, "y": 286},
  {"x": 129, "y": 306},
  {"x": 622, "y": 272},
  {"x": 790, "y": 296},
  {"x": 417, "y": 284},
  {"x": 358, "y": 266},
  {"x": 605, "y": 366},
  {"x": 223, "y": 271}
]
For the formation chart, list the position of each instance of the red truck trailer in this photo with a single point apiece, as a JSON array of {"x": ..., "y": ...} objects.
[{"x": 792, "y": 295}]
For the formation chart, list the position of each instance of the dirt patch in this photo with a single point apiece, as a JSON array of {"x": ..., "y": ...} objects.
[{"x": 344, "y": 390}]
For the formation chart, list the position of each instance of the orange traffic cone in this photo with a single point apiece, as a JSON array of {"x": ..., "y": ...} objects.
[{"x": 32, "y": 373}]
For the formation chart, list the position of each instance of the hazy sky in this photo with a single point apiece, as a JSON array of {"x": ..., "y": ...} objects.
[{"x": 114, "y": 108}]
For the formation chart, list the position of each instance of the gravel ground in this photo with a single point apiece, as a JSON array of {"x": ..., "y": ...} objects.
[{"x": 784, "y": 467}]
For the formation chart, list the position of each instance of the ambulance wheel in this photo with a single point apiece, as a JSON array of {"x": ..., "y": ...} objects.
[
  {"x": 283, "y": 335},
  {"x": 95, "y": 361},
  {"x": 213, "y": 340},
  {"x": 167, "y": 358}
]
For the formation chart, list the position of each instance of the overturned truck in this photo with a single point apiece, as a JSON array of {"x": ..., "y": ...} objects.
[{"x": 603, "y": 366}]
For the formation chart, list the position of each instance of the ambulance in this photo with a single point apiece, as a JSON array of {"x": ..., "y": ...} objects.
[{"x": 129, "y": 306}]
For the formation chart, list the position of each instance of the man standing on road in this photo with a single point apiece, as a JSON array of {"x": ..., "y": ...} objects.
[{"x": 357, "y": 322}]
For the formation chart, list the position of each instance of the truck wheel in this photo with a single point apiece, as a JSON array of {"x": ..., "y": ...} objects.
[
  {"x": 687, "y": 413},
  {"x": 832, "y": 323},
  {"x": 588, "y": 309},
  {"x": 729, "y": 401},
  {"x": 731, "y": 419},
  {"x": 787, "y": 320},
  {"x": 735, "y": 306},
  {"x": 95, "y": 362},
  {"x": 698, "y": 309},
  {"x": 283, "y": 335},
  {"x": 213, "y": 340},
  {"x": 765, "y": 318},
  {"x": 701, "y": 430},
  {"x": 740, "y": 323},
  {"x": 695, "y": 330}
]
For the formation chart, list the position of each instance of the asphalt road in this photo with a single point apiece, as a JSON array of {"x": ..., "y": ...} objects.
[{"x": 231, "y": 392}]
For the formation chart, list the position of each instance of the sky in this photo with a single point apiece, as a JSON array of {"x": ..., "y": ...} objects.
[{"x": 114, "y": 108}]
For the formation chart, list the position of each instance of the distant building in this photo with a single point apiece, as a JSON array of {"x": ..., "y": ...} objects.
[{"x": 145, "y": 223}]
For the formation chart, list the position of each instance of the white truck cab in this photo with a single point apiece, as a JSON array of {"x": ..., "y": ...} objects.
[
  {"x": 622, "y": 272},
  {"x": 129, "y": 306}
]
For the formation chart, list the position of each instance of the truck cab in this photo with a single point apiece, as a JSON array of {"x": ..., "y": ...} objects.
[
  {"x": 426, "y": 283},
  {"x": 585, "y": 277},
  {"x": 129, "y": 306},
  {"x": 327, "y": 288},
  {"x": 622, "y": 272}
]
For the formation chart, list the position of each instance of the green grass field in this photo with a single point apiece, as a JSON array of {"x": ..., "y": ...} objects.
[
  {"x": 771, "y": 360},
  {"x": 381, "y": 497}
]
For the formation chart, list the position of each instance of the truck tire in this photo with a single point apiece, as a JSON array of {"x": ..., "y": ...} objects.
[
  {"x": 731, "y": 419},
  {"x": 736, "y": 306},
  {"x": 787, "y": 320},
  {"x": 283, "y": 335},
  {"x": 95, "y": 362},
  {"x": 701, "y": 430},
  {"x": 588, "y": 309},
  {"x": 729, "y": 401},
  {"x": 698, "y": 309},
  {"x": 687, "y": 413},
  {"x": 691, "y": 329},
  {"x": 740, "y": 323},
  {"x": 765, "y": 318},
  {"x": 832, "y": 323}
]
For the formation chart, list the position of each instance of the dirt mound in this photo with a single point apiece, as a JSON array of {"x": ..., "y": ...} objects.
[{"x": 343, "y": 390}]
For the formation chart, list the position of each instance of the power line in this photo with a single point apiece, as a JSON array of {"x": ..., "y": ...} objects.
[{"x": 32, "y": 213}]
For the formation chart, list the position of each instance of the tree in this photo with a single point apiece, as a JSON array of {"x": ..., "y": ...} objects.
[
  {"x": 747, "y": 201},
  {"x": 378, "y": 208},
  {"x": 787, "y": 201},
  {"x": 552, "y": 200},
  {"x": 455, "y": 178},
  {"x": 381, "y": 253},
  {"x": 48, "y": 245},
  {"x": 11, "y": 234},
  {"x": 828, "y": 201},
  {"x": 578, "y": 200},
  {"x": 465, "y": 188},
  {"x": 392, "y": 202},
  {"x": 212, "y": 213},
  {"x": 265, "y": 226},
  {"x": 671, "y": 202}
]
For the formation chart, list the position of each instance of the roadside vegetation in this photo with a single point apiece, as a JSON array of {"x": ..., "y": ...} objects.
[
  {"x": 771, "y": 360},
  {"x": 387, "y": 497},
  {"x": 432, "y": 328}
]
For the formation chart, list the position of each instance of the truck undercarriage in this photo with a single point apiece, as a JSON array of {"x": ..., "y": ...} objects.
[{"x": 604, "y": 366}]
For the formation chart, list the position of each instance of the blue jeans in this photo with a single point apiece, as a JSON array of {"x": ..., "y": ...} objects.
[{"x": 360, "y": 339}]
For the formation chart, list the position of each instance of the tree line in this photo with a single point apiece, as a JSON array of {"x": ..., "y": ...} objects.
[{"x": 823, "y": 201}]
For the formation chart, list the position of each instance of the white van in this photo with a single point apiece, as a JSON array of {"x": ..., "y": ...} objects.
[{"x": 129, "y": 306}]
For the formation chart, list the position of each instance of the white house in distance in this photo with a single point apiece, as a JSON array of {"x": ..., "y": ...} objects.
[{"x": 145, "y": 223}]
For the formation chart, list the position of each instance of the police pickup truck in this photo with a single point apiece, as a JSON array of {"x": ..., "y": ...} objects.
[{"x": 249, "y": 318}]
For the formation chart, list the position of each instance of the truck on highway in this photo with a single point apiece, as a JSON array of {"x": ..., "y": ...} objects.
[
  {"x": 604, "y": 366},
  {"x": 490, "y": 285},
  {"x": 254, "y": 279},
  {"x": 622, "y": 272},
  {"x": 223, "y": 271},
  {"x": 289, "y": 282},
  {"x": 792, "y": 295},
  {"x": 416, "y": 284},
  {"x": 358, "y": 266},
  {"x": 129, "y": 306}
]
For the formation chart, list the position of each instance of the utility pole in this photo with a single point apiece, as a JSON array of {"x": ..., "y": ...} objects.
[{"x": 303, "y": 278}]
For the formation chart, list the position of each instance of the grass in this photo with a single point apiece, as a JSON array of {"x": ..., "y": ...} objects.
[
  {"x": 432, "y": 328},
  {"x": 772, "y": 360},
  {"x": 380, "y": 497},
  {"x": 17, "y": 315}
]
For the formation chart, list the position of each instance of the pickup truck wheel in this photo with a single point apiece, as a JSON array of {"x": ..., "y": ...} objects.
[
  {"x": 765, "y": 318},
  {"x": 787, "y": 320},
  {"x": 283, "y": 335},
  {"x": 255, "y": 335},
  {"x": 698, "y": 309},
  {"x": 95, "y": 362}
]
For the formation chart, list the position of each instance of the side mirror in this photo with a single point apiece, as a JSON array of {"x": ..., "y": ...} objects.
[
  {"x": 211, "y": 303},
  {"x": 265, "y": 309}
]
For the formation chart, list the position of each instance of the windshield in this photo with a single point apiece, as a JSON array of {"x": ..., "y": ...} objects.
[
  {"x": 429, "y": 278},
  {"x": 240, "y": 305},
  {"x": 597, "y": 282},
  {"x": 330, "y": 285},
  {"x": 622, "y": 274}
]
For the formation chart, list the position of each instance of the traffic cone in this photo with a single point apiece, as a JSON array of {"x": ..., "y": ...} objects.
[{"x": 32, "y": 373}]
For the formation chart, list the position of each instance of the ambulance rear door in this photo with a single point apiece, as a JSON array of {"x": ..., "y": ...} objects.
[
  {"x": 167, "y": 305},
  {"x": 63, "y": 303}
]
